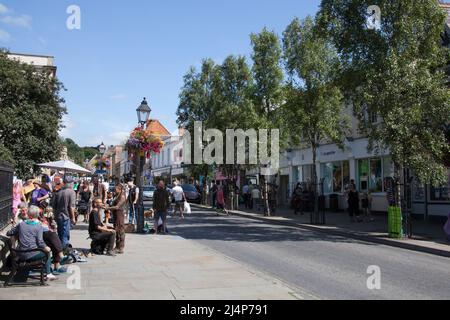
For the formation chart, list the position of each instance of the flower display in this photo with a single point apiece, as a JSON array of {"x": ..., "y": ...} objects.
[
  {"x": 102, "y": 162},
  {"x": 142, "y": 141}
]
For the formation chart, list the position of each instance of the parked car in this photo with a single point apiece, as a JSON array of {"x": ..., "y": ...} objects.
[
  {"x": 148, "y": 192},
  {"x": 192, "y": 195}
]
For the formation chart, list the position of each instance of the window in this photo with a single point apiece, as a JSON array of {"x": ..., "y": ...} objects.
[
  {"x": 363, "y": 170},
  {"x": 327, "y": 175},
  {"x": 336, "y": 176},
  {"x": 372, "y": 172},
  {"x": 375, "y": 178},
  {"x": 442, "y": 193}
]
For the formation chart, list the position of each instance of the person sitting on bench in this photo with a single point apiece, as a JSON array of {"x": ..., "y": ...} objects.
[
  {"x": 102, "y": 237},
  {"x": 30, "y": 234}
]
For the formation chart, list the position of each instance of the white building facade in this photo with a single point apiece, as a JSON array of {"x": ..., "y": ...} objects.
[{"x": 169, "y": 162}]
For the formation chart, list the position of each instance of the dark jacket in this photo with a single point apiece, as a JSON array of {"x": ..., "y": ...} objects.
[{"x": 161, "y": 200}]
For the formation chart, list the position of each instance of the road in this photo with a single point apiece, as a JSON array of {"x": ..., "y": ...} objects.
[{"x": 321, "y": 266}]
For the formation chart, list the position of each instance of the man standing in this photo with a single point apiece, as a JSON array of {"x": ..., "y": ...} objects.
[
  {"x": 133, "y": 197},
  {"x": 161, "y": 202},
  {"x": 180, "y": 198},
  {"x": 64, "y": 203}
]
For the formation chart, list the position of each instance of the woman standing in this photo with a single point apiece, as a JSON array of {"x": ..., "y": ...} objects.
[
  {"x": 18, "y": 197},
  {"x": 118, "y": 209}
]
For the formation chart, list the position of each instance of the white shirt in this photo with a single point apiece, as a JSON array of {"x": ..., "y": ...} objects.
[
  {"x": 255, "y": 194},
  {"x": 177, "y": 193}
]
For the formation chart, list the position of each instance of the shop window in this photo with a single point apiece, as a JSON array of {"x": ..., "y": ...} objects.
[
  {"x": 327, "y": 175},
  {"x": 375, "y": 178},
  {"x": 337, "y": 177},
  {"x": 363, "y": 170},
  {"x": 346, "y": 174}
]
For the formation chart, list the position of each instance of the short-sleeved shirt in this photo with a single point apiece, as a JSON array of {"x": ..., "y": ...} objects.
[
  {"x": 64, "y": 201},
  {"x": 177, "y": 193},
  {"x": 94, "y": 222},
  {"x": 256, "y": 194},
  {"x": 36, "y": 194}
]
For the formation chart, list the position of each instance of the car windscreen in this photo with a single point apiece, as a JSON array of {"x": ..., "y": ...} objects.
[
  {"x": 149, "y": 188},
  {"x": 188, "y": 187}
]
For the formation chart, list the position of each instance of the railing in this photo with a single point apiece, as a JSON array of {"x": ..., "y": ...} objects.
[{"x": 6, "y": 187}]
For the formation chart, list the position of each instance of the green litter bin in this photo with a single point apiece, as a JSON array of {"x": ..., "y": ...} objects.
[{"x": 395, "y": 223}]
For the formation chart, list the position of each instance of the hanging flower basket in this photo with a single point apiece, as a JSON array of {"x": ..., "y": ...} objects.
[
  {"x": 140, "y": 141},
  {"x": 102, "y": 163}
]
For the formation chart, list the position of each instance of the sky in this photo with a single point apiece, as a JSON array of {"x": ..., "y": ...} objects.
[{"x": 127, "y": 50}]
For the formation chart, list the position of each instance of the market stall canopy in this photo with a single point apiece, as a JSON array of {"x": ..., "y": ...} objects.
[{"x": 65, "y": 165}]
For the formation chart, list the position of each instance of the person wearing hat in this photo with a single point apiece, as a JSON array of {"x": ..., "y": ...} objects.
[
  {"x": 39, "y": 195},
  {"x": 64, "y": 204}
]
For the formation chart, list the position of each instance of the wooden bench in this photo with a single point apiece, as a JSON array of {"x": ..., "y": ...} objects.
[{"x": 16, "y": 264}]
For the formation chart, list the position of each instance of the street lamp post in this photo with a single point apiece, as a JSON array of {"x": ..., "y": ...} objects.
[
  {"x": 143, "y": 114},
  {"x": 102, "y": 150}
]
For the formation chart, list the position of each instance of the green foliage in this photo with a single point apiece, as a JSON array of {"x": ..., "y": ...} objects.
[
  {"x": 6, "y": 156},
  {"x": 314, "y": 103},
  {"x": 396, "y": 72},
  {"x": 31, "y": 113}
]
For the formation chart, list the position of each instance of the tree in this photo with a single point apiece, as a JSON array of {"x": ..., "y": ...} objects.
[
  {"x": 268, "y": 86},
  {"x": 31, "y": 113},
  {"x": 397, "y": 73},
  {"x": 233, "y": 86},
  {"x": 196, "y": 100},
  {"x": 314, "y": 102}
]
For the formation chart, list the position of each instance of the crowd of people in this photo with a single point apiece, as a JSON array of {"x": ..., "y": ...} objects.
[{"x": 46, "y": 209}]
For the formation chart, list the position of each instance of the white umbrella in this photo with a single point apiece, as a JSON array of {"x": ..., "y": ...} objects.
[{"x": 66, "y": 165}]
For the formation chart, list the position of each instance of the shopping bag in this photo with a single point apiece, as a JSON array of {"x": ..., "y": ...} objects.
[
  {"x": 187, "y": 207},
  {"x": 160, "y": 222}
]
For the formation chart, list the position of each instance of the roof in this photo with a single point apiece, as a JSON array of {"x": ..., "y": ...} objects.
[{"x": 155, "y": 127}]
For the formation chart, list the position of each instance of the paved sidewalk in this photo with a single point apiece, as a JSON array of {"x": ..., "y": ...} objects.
[
  {"x": 429, "y": 237},
  {"x": 160, "y": 268}
]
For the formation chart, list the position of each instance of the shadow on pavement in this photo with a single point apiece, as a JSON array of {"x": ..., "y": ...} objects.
[{"x": 205, "y": 225}]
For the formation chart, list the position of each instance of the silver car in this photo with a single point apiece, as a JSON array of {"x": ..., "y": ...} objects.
[{"x": 148, "y": 192}]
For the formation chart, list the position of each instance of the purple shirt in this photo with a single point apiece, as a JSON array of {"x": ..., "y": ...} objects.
[{"x": 37, "y": 194}]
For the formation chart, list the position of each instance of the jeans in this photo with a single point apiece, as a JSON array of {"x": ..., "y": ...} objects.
[
  {"x": 64, "y": 231},
  {"x": 133, "y": 213},
  {"x": 40, "y": 256}
]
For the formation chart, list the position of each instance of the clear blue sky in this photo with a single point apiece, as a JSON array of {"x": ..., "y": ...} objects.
[{"x": 126, "y": 50}]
